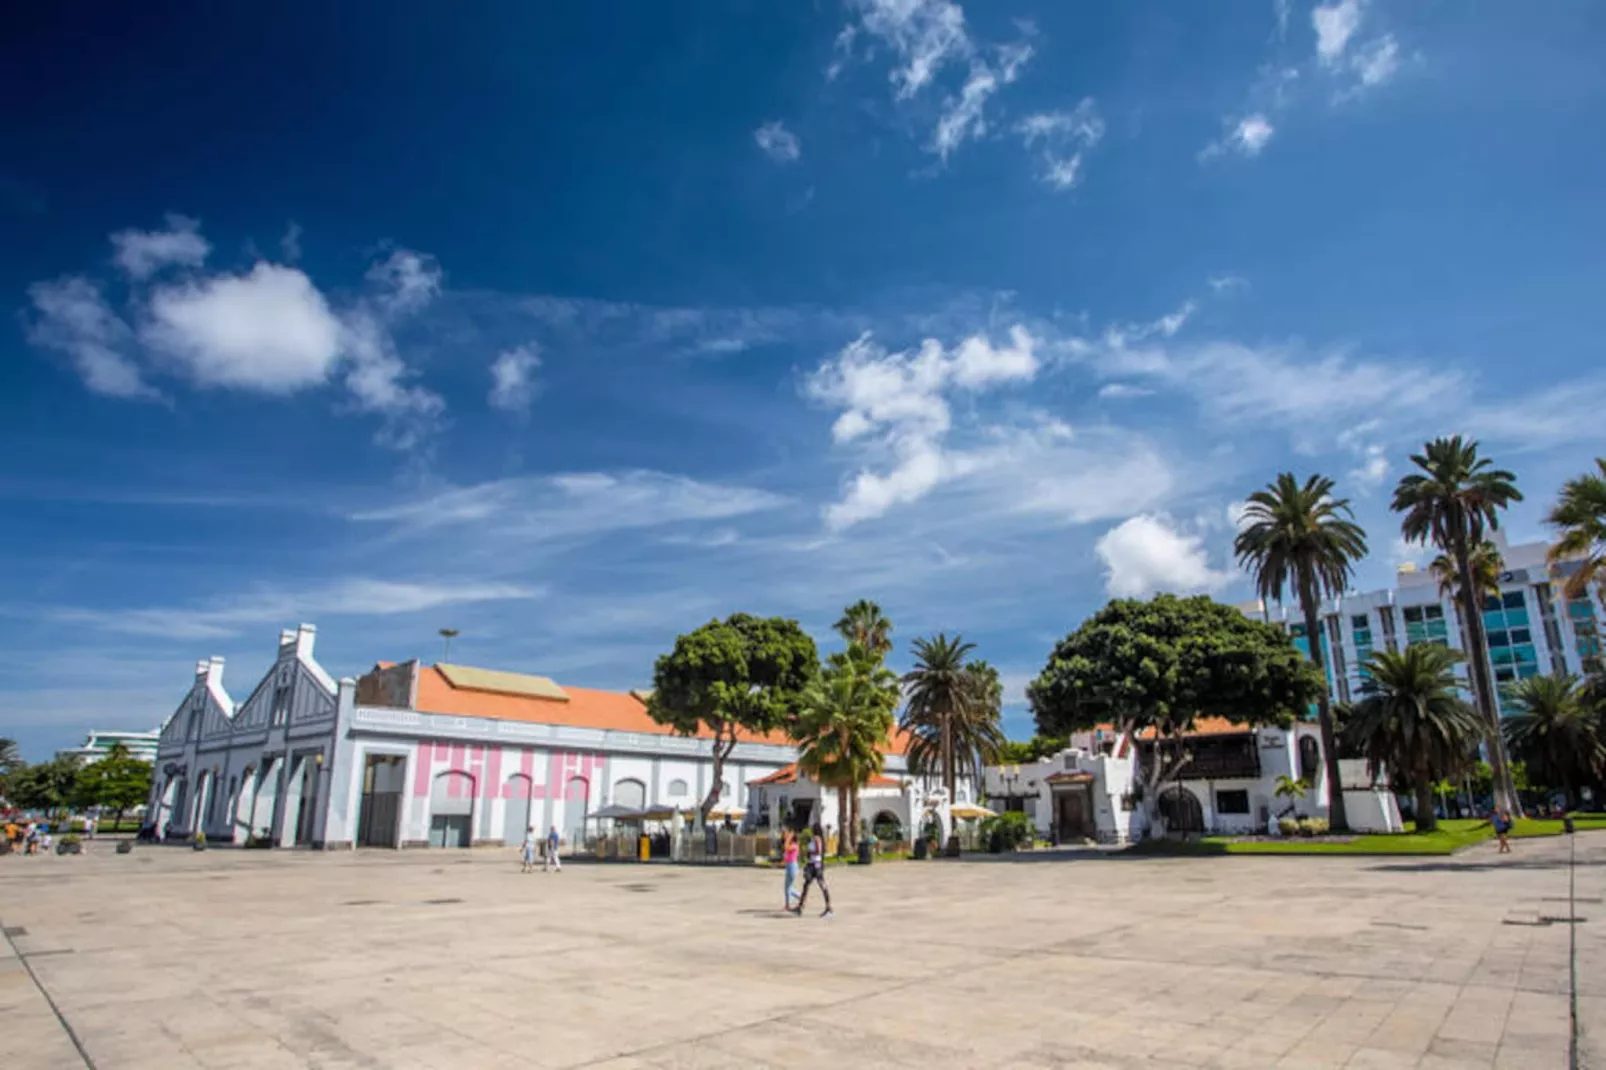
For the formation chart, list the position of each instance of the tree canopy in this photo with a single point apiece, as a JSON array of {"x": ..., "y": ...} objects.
[
  {"x": 118, "y": 782},
  {"x": 743, "y": 672},
  {"x": 1163, "y": 663},
  {"x": 45, "y": 786}
]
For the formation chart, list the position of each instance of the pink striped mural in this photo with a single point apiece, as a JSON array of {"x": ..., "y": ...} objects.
[{"x": 484, "y": 765}]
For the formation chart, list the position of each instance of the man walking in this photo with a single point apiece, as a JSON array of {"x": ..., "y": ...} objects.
[
  {"x": 552, "y": 859},
  {"x": 814, "y": 873}
]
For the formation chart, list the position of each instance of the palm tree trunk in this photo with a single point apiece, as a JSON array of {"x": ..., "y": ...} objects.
[
  {"x": 1426, "y": 820},
  {"x": 842, "y": 819},
  {"x": 1337, "y": 819},
  {"x": 1505, "y": 796}
]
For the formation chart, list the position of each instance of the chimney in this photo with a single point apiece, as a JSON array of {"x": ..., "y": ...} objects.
[
  {"x": 305, "y": 636},
  {"x": 210, "y": 671},
  {"x": 286, "y": 638}
]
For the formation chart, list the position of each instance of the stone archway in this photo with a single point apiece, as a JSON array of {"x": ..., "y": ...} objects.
[{"x": 1181, "y": 810}]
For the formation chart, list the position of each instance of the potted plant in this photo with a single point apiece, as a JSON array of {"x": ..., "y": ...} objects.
[
  {"x": 70, "y": 844},
  {"x": 199, "y": 843},
  {"x": 124, "y": 846}
]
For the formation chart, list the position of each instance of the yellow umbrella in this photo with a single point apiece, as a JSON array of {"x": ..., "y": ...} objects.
[{"x": 966, "y": 810}]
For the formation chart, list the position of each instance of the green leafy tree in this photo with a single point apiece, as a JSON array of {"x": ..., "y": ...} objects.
[
  {"x": 1297, "y": 537},
  {"x": 842, "y": 726},
  {"x": 118, "y": 782},
  {"x": 1487, "y": 564},
  {"x": 741, "y": 674},
  {"x": 1411, "y": 721},
  {"x": 1016, "y": 752},
  {"x": 864, "y": 623},
  {"x": 1580, "y": 519},
  {"x": 1160, "y": 665},
  {"x": 1452, "y": 501},
  {"x": 49, "y": 786},
  {"x": 952, "y": 711},
  {"x": 1551, "y": 727}
]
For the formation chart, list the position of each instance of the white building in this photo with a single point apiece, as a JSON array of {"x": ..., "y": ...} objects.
[
  {"x": 425, "y": 755},
  {"x": 895, "y": 805},
  {"x": 1533, "y": 628},
  {"x": 98, "y": 744},
  {"x": 1091, "y": 790}
]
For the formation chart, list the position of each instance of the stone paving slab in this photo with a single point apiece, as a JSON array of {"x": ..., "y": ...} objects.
[{"x": 170, "y": 958}]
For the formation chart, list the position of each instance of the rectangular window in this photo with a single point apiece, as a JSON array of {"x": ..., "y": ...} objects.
[
  {"x": 1499, "y": 639},
  {"x": 1521, "y": 635},
  {"x": 1514, "y": 600},
  {"x": 1390, "y": 639},
  {"x": 1232, "y": 802},
  {"x": 281, "y": 705}
]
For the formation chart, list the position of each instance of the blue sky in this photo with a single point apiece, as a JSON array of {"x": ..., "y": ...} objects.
[{"x": 573, "y": 328}]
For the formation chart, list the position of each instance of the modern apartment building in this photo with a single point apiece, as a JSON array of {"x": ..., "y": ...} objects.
[{"x": 1532, "y": 627}]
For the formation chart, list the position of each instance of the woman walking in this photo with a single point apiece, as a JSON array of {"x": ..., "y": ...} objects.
[
  {"x": 789, "y": 857},
  {"x": 815, "y": 874},
  {"x": 529, "y": 851}
]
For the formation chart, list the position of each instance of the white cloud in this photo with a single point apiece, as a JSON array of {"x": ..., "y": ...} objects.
[
  {"x": 1335, "y": 24},
  {"x": 964, "y": 116},
  {"x": 74, "y": 319},
  {"x": 1238, "y": 515},
  {"x": 896, "y": 403},
  {"x": 1148, "y": 554},
  {"x": 290, "y": 244},
  {"x": 1064, "y": 136},
  {"x": 350, "y": 597},
  {"x": 513, "y": 378},
  {"x": 408, "y": 280},
  {"x": 1228, "y": 283},
  {"x": 925, "y": 34},
  {"x": 1246, "y": 136},
  {"x": 1372, "y": 470},
  {"x": 1118, "y": 391},
  {"x": 376, "y": 377},
  {"x": 778, "y": 143},
  {"x": 531, "y": 508},
  {"x": 269, "y": 330},
  {"x": 1377, "y": 62},
  {"x": 142, "y": 253}
]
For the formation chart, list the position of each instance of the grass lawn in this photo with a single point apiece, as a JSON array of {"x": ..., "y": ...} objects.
[{"x": 1449, "y": 837}]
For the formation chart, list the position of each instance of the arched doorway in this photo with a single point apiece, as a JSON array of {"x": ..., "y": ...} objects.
[
  {"x": 516, "y": 816},
  {"x": 1181, "y": 810},
  {"x": 243, "y": 802},
  {"x": 888, "y": 827},
  {"x": 451, "y": 810}
]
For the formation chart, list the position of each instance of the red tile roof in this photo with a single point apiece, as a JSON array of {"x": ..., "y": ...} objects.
[{"x": 788, "y": 774}]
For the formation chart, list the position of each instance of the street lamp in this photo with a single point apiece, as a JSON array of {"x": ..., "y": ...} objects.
[{"x": 448, "y": 634}]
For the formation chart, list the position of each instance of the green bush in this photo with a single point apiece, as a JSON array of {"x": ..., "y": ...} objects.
[
  {"x": 1288, "y": 826},
  {"x": 72, "y": 839},
  {"x": 1009, "y": 831},
  {"x": 1313, "y": 826}
]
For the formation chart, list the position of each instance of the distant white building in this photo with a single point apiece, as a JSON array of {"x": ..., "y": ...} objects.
[
  {"x": 98, "y": 744},
  {"x": 895, "y": 804},
  {"x": 1091, "y": 790}
]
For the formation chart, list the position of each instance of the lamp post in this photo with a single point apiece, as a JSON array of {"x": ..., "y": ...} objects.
[{"x": 448, "y": 634}]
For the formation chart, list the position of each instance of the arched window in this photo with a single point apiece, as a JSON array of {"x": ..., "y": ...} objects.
[
  {"x": 630, "y": 793},
  {"x": 677, "y": 789},
  {"x": 1310, "y": 758}
]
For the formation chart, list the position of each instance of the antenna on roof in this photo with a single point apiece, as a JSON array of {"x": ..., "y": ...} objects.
[{"x": 448, "y": 634}]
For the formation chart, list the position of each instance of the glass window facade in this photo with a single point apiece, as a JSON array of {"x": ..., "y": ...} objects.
[
  {"x": 1361, "y": 631},
  {"x": 1391, "y": 639},
  {"x": 1512, "y": 654},
  {"x": 1547, "y": 615},
  {"x": 1586, "y": 629},
  {"x": 1426, "y": 624}
]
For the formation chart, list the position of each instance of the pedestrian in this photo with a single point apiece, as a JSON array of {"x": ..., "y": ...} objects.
[
  {"x": 552, "y": 860},
  {"x": 32, "y": 838},
  {"x": 528, "y": 865},
  {"x": 814, "y": 873},
  {"x": 1502, "y": 830},
  {"x": 789, "y": 857}
]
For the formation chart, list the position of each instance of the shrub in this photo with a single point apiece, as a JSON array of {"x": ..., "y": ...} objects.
[
  {"x": 1288, "y": 826},
  {"x": 1314, "y": 826},
  {"x": 72, "y": 839}
]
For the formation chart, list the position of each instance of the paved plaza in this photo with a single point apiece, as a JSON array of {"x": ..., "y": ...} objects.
[{"x": 170, "y": 959}]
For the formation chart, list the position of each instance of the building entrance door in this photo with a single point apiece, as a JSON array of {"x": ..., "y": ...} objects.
[
  {"x": 379, "y": 815},
  {"x": 1073, "y": 815},
  {"x": 451, "y": 810}
]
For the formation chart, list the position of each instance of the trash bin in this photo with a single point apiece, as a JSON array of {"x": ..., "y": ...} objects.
[
  {"x": 1567, "y": 824},
  {"x": 866, "y": 853},
  {"x": 920, "y": 850},
  {"x": 645, "y": 849}
]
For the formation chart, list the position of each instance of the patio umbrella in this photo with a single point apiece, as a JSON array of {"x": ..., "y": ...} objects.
[{"x": 967, "y": 810}]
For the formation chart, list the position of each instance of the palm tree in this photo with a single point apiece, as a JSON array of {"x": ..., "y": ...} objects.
[
  {"x": 1452, "y": 501},
  {"x": 951, "y": 711},
  {"x": 1300, "y": 538},
  {"x": 1291, "y": 788},
  {"x": 1487, "y": 564},
  {"x": 1411, "y": 720},
  {"x": 1553, "y": 729},
  {"x": 842, "y": 726},
  {"x": 865, "y": 624},
  {"x": 10, "y": 762},
  {"x": 1580, "y": 514}
]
